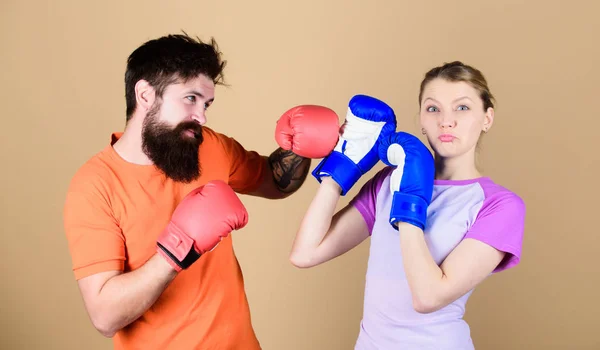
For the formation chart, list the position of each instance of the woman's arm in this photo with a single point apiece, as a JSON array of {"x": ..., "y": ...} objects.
[
  {"x": 322, "y": 235},
  {"x": 433, "y": 287}
]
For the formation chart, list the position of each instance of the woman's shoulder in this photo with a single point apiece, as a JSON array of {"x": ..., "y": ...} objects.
[
  {"x": 500, "y": 221},
  {"x": 501, "y": 194}
]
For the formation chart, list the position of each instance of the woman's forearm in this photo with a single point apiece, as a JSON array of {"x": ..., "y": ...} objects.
[
  {"x": 425, "y": 277},
  {"x": 316, "y": 222}
]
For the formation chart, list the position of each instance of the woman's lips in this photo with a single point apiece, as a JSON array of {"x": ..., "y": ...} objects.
[{"x": 446, "y": 138}]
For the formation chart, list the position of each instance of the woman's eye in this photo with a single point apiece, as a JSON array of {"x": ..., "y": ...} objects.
[
  {"x": 432, "y": 109},
  {"x": 463, "y": 108}
]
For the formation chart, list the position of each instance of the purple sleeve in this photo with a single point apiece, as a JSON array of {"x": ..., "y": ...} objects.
[
  {"x": 366, "y": 199},
  {"x": 500, "y": 224}
]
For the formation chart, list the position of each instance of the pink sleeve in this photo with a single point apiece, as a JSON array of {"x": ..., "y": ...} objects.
[
  {"x": 366, "y": 199},
  {"x": 500, "y": 224}
]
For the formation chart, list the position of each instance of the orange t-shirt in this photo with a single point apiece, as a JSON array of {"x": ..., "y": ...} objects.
[{"x": 113, "y": 214}]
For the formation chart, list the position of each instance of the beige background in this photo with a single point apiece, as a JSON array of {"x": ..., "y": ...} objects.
[{"x": 62, "y": 95}]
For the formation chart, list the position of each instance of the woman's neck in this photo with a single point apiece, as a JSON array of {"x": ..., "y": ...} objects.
[{"x": 457, "y": 168}]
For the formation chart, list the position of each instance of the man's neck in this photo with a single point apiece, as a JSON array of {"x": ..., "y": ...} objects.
[
  {"x": 129, "y": 145},
  {"x": 457, "y": 168}
]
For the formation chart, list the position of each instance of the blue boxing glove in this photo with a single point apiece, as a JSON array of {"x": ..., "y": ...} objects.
[
  {"x": 411, "y": 183},
  {"x": 356, "y": 152}
]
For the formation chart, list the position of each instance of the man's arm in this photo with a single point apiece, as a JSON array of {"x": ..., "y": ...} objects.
[
  {"x": 303, "y": 133},
  {"x": 113, "y": 299},
  {"x": 286, "y": 172}
]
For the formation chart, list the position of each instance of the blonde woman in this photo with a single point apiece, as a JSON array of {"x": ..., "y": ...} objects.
[{"x": 438, "y": 226}]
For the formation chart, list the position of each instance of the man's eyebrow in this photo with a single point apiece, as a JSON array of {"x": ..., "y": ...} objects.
[{"x": 199, "y": 94}]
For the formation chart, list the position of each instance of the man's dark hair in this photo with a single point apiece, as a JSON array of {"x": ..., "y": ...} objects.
[{"x": 169, "y": 59}]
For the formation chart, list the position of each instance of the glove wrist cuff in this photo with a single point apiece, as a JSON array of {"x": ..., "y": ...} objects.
[
  {"x": 177, "y": 248},
  {"x": 168, "y": 258},
  {"x": 408, "y": 208},
  {"x": 340, "y": 168}
]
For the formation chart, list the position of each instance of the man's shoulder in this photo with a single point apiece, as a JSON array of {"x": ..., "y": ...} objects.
[
  {"x": 214, "y": 137},
  {"x": 211, "y": 134},
  {"x": 216, "y": 142},
  {"x": 94, "y": 172}
]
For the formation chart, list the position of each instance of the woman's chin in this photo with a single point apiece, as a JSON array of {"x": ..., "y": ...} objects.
[{"x": 446, "y": 150}]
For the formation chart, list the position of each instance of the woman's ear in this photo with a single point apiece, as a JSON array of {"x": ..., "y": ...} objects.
[{"x": 488, "y": 119}]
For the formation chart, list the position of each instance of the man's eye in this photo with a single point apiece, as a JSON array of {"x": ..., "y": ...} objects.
[
  {"x": 191, "y": 98},
  {"x": 432, "y": 109},
  {"x": 463, "y": 108}
]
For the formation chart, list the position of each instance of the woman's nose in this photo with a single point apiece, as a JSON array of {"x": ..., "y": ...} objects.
[{"x": 447, "y": 121}]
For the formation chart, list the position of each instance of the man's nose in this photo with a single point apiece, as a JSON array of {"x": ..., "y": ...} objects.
[{"x": 199, "y": 117}]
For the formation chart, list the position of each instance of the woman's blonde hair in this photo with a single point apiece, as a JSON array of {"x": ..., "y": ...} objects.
[{"x": 456, "y": 72}]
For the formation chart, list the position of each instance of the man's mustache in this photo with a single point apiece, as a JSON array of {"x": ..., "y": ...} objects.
[{"x": 191, "y": 126}]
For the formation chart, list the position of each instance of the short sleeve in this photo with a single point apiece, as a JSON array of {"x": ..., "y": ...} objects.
[
  {"x": 246, "y": 167},
  {"x": 366, "y": 199},
  {"x": 500, "y": 223},
  {"x": 95, "y": 241}
]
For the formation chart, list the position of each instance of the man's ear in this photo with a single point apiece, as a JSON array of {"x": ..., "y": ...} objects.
[{"x": 144, "y": 95}]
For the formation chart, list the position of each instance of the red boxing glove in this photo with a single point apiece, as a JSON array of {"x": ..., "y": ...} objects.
[
  {"x": 204, "y": 217},
  {"x": 308, "y": 131}
]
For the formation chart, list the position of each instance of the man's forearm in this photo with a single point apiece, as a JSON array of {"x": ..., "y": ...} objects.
[
  {"x": 289, "y": 170},
  {"x": 125, "y": 297}
]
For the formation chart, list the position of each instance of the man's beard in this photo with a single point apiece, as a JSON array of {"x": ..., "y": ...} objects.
[{"x": 172, "y": 149}]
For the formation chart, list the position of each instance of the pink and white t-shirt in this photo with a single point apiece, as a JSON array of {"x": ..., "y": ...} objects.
[{"x": 478, "y": 209}]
